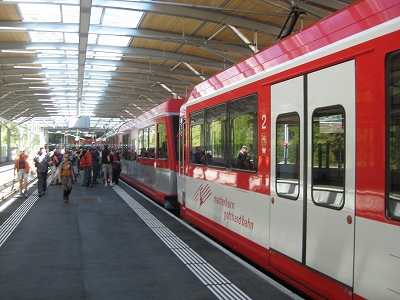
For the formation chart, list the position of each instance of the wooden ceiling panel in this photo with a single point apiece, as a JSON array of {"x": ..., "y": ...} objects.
[
  {"x": 12, "y": 36},
  {"x": 9, "y": 12}
]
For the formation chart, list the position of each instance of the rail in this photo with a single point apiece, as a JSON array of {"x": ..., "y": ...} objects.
[{"x": 11, "y": 187}]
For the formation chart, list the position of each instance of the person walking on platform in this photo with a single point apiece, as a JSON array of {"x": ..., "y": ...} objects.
[
  {"x": 88, "y": 168},
  {"x": 42, "y": 161},
  {"x": 96, "y": 164},
  {"x": 66, "y": 176},
  {"x": 106, "y": 161},
  {"x": 22, "y": 166},
  {"x": 53, "y": 167}
]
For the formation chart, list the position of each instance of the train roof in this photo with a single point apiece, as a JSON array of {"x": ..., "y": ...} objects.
[
  {"x": 169, "y": 107},
  {"x": 347, "y": 22}
]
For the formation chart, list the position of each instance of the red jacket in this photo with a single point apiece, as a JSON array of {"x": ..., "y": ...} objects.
[
  {"x": 27, "y": 164},
  {"x": 88, "y": 159}
]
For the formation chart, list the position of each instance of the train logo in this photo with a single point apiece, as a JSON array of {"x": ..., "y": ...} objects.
[{"x": 201, "y": 195}]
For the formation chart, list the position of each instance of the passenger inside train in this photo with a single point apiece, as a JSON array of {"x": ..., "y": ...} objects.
[{"x": 244, "y": 161}]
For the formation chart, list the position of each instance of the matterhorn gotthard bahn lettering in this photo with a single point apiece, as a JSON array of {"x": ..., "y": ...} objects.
[{"x": 203, "y": 193}]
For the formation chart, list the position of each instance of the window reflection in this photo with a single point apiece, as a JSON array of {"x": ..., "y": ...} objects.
[
  {"x": 328, "y": 157},
  {"x": 287, "y": 155}
]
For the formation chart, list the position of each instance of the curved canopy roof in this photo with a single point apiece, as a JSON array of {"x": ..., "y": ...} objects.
[{"x": 113, "y": 60}]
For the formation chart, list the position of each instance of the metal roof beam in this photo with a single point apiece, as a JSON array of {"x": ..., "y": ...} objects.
[
  {"x": 132, "y": 32},
  {"x": 12, "y": 107},
  {"x": 330, "y": 5},
  {"x": 243, "y": 38},
  {"x": 129, "y": 52},
  {"x": 142, "y": 80},
  {"x": 66, "y": 60}
]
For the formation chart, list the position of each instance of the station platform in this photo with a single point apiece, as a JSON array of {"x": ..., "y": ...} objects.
[{"x": 115, "y": 243}]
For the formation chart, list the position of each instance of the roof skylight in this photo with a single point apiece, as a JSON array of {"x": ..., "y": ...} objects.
[
  {"x": 104, "y": 55},
  {"x": 113, "y": 40},
  {"x": 46, "y": 37},
  {"x": 40, "y": 12},
  {"x": 121, "y": 18},
  {"x": 70, "y": 14},
  {"x": 95, "y": 15}
]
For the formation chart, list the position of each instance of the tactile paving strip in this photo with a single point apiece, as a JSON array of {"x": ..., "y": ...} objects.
[
  {"x": 218, "y": 284},
  {"x": 12, "y": 221}
]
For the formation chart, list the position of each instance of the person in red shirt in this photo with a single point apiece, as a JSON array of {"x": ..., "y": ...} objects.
[
  {"x": 88, "y": 168},
  {"x": 22, "y": 166}
]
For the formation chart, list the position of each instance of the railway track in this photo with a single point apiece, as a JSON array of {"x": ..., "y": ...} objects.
[{"x": 11, "y": 187}]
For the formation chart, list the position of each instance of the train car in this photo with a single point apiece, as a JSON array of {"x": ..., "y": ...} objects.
[
  {"x": 314, "y": 194},
  {"x": 148, "y": 147}
]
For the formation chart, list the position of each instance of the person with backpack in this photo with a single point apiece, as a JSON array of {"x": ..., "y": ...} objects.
[
  {"x": 106, "y": 160},
  {"x": 116, "y": 169},
  {"x": 66, "y": 176},
  {"x": 42, "y": 161}
]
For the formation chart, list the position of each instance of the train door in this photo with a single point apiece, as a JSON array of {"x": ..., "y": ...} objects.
[
  {"x": 331, "y": 171},
  {"x": 181, "y": 179},
  {"x": 287, "y": 203},
  {"x": 313, "y": 170}
]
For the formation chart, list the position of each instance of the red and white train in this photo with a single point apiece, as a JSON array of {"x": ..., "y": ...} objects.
[
  {"x": 314, "y": 197},
  {"x": 149, "y": 151}
]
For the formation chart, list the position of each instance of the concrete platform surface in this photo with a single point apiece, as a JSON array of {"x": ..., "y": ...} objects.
[{"x": 113, "y": 243}]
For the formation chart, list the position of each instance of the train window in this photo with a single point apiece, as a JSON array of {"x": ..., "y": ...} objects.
[
  {"x": 126, "y": 149},
  {"x": 142, "y": 142},
  {"x": 215, "y": 151},
  {"x": 328, "y": 157},
  {"x": 288, "y": 155},
  {"x": 162, "y": 151},
  {"x": 152, "y": 141},
  {"x": 133, "y": 145},
  {"x": 393, "y": 137},
  {"x": 112, "y": 142},
  {"x": 243, "y": 132},
  {"x": 196, "y": 136}
]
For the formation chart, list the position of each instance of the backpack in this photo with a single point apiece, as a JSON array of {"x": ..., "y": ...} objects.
[
  {"x": 36, "y": 161},
  {"x": 116, "y": 165},
  {"x": 59, "y": 156},
  {"x": 110, "y": 157},
  {"x": 55, "y": 161}
]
